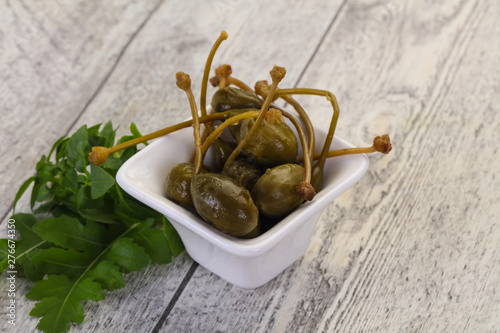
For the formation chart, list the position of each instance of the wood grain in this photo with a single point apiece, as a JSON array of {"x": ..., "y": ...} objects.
[
  {"x": 380, "y": 259},
  {"x": 413, "y": 247},
  {"x": 54, "y": 58},
  {"x": 140, "y": 88}
]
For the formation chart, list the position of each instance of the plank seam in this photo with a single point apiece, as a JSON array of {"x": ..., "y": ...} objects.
[
  {"x": 330, "y": 25},
  {"x": 101, "y": 85},
  {"x": 117, "y": 61},
  {"x": 176, "y": 297},
  {"x": 357, "y": 288}
]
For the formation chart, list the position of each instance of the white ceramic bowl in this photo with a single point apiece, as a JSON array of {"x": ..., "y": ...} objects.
[{"x": 247, "y": 263}]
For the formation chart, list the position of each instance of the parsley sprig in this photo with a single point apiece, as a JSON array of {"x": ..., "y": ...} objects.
[{"x": 83, "y": 231}]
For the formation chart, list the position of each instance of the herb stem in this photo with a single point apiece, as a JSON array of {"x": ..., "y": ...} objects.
[
  {"x": 31, "y": 248},
  {"x": 91, "y": 265}
]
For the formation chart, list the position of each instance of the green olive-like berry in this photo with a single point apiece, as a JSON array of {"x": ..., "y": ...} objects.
[
  {"x": 224, "y": 203},
  {"x": 275, "y": 192},
  {"x": 229, "y": 98},
  {"x": 244, "y": 172},
  {"x": 178, "y": 184},
  {"x": 222, "y": 151},
  {"x": 270, "y": 145}
]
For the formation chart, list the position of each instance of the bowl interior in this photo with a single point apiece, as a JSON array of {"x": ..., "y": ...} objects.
[{"x": 143, "y": 177}]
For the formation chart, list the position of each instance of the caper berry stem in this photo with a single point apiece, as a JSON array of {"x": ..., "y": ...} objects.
[
  {"x": 381, "y": 144},
  {"x": 184, "y": 83},
  {"x": 277, "y": 74},
  {"x": 223, "y": 79},
  {"x": 305, "y": 119},
  {"x": 333, "y": 124},
  {"x": 320, "y": 165},
  {"x": 100, "y": 154},
  {"x": 218, "y": 131},
  {"x": 240, "y": 84},
  {"x": 204, "y": 83},
  {"x": 305, "y": 148},
  {"x": 222, "y": 74}
]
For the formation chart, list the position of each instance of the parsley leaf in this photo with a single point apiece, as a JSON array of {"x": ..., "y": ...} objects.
[
  {"x": 27, "y": 245},
  {"x": 77, "y": 147},
  {"x": 101, "y": 181},
  {"x": 21, "y": 191},
  {"x": 84, "y": 232},
  {"x": 61, "y": 301},
  {"x": 174, "y": 241},
  {"x": 69, "y": 233}
]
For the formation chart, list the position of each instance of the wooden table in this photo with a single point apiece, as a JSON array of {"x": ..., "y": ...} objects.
[{"x": 412, "y": 247}]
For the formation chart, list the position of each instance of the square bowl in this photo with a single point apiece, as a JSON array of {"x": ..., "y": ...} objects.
[{"x": 246, "y": 263}]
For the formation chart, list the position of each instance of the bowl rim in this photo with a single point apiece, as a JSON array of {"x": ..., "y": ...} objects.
[{"x": 238, "y": 246}]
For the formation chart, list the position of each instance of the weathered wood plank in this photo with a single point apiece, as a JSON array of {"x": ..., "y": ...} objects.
[
  {"x": 147, "y": 95},
  {"x": 54, "y": 57},
  {"x": 422, "y": 246},
  {"x": 413, "y": 244},
  {"x": 410, "y": 247},
  {"x": 129, "y": 309},
  {"x": 139, "y": 86}
]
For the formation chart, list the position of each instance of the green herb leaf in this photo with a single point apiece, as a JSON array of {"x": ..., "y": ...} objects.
[
  {"x": 99, "y": 210},
  {"x": 92, "y": 231},
  {"x": 128, "y": 255},
  {"x": 128, "y": 207},
  {"x": 154, "y": 242},
  {"x": 135, "y": 132},
  {"x": 69, "y": 233},
  {"x": 93, "y": 131},
  {"x": 108, "y": 275},
  {"x": 56, "y": 145},
  {"x": 77, "y": 149},
  {"x": 61, "y": 261},
  {"x": 28, "y": 243},
  {"x": 108, "y": 133},
  {"x": 21, "y": 191},
  {"x": 77, "y": 276},
  {"x": 61, "y": 150},
  {"x": 29, "y": 269},
  {"x": 45, "y": 171},
  {"x": 70, "y": 179},
  {"x": 101, "y": 181},
  {"x": 61, "y": 301},
  {"x": 174, "y": 240},
  {"x": 43, "y": 194}
]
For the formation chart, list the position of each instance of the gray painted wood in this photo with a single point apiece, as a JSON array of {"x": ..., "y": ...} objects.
[
  {"x": 54, "y": 58},
  {"x": 412, "y": 247}
]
